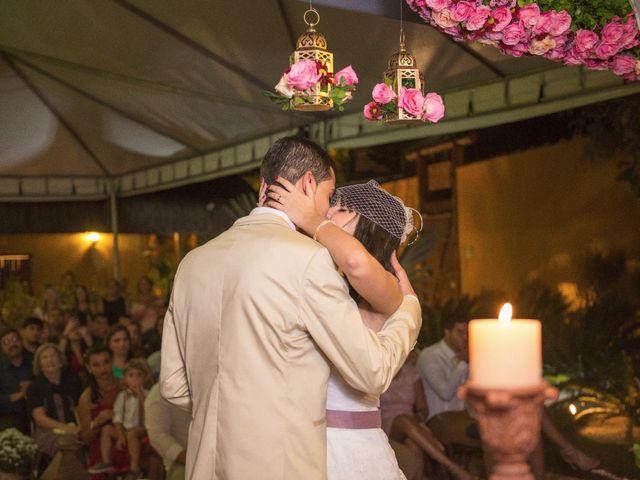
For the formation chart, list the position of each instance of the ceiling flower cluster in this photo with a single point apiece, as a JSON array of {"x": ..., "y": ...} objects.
[{"x": 605, "y": 39}]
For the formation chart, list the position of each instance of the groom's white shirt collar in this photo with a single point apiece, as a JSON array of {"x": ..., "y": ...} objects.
[{"x": 273, "y": 211}]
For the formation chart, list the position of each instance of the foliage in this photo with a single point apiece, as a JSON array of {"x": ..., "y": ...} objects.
[
  {"x": 587, "y": 14},
  {"x": 16, "y": 303},
  {"x": 613, "y": 128},
  {"x": 17, "y": 452},
  {"x": 592, "y": 352}
]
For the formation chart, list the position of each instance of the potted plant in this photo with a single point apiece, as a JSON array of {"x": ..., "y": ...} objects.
[{"x": 17, "y": 453}]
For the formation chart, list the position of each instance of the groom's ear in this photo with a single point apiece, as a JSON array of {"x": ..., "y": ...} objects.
[{"x": 306, "y": 181}]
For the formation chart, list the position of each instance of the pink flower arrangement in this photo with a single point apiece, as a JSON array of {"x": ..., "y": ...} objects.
[
  {"x": 518, "y": 29},
  {"x": 299, "y": 80},
  {"x": 428, "y": 108}
]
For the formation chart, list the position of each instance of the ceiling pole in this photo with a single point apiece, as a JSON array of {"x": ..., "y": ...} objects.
[{"x": 113, "y": 204}]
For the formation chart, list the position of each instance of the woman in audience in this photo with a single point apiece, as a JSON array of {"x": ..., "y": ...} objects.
[
  {"x": 52, "y": 398},
  {"x": 113, "y": 304},
  {"x": 50, "y": 300},
  {"x": 82, "y": 305},
  {"x": 95, "y": 408},
  {"x": 404, "y": 409},
  {"x": 145, "y": 298},
  {"x": 119, "y": 343},
  {"x": 74, "y": 343}
]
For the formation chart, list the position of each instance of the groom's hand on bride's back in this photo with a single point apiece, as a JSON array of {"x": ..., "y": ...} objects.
[{"x": 401, "y": 275}]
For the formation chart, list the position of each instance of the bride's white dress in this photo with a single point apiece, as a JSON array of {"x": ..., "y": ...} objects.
[{"x": 357, "y": 454}]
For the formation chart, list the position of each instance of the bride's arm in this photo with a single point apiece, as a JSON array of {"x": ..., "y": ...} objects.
[{"x": 365, "y": 274}]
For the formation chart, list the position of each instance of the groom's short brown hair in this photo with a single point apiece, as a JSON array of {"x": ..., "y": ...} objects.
[{"x": 291, "y": 157}]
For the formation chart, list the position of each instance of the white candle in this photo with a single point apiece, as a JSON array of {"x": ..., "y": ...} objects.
[{"x": 505, "y": 353}]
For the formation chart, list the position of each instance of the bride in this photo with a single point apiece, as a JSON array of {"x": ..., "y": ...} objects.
[{"x": 362, "y": 231}]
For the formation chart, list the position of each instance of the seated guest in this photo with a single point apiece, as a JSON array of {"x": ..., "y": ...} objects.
[
  {"x": 113, "y": 304},
  {"x": 145, "y": 298},
  {"x": 134, "y": 334},
  {"x": 74, "y": 343},
  {"x": 98, "y": 328},
  {"x": 404, "y": 408},
  {"x": 119, "y": 342},
  {"x": 95, "y": 407},
  {"x": 52, "y": 397},
  {"x": 151, "y": 327},
  {"x": 16, "y": 374},
  {"x": 82, "y": 304},
  {"x": 168, "y": 430},
  {"x": 57, "y": 320},
  {"x": 31, "y": 333}
]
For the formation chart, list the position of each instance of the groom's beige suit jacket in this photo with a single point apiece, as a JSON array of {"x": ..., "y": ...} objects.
[{"x": 256, "y": 317}]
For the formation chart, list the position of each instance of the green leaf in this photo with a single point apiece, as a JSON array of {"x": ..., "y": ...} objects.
[{"x": 636, "y": 453}]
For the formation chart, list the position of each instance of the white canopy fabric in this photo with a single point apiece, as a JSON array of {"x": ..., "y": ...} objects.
[{"x": 141, "y": 95}]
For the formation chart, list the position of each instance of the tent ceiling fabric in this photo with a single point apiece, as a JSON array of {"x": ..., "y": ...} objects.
[{"x": 107, "y": 89}]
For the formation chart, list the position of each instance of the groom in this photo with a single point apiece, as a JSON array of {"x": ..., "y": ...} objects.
[{"x": 257, "y": 315}]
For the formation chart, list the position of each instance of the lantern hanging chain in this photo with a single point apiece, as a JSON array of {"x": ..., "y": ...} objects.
[{"x": 401, "y": 27}]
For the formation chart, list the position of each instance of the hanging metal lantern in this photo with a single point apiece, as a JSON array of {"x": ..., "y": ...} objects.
[
  {"x": 312, "y": 46},
  {"x": 402, "y": 72}
]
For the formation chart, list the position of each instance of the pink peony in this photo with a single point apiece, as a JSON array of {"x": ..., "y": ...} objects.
[
  {"x": 540, "y": 47},
  {"x": 513, "y": 34},
  {"x": 478, "y": 18},
  {"x": 303, "y": 74},
  {"x": 517, "y": 50},
  {"x": 596, "y": 64},
  {"x": 629, "y": 38},
  {"x": 348, "y": 74},
  {"x": 612, "y": 32},
  {"x": 433, "y": 107},
  {"x": 606, "y": 50},
  {"x": 443, "y": 18},
  {"x": 438, "y": 5},
  {"x": 501, "y": 17},
  {"x": 560, "y": 23},
  {"x": 573, "y": 57},
  {"x": 283, "y": 87},
  {"x": 543, "y": 25},
  {"x": 462, "y": 11},
  {"x": 383, "y": 93},
  {"x": 372, "y": 111},
  {"x": 529, "y": 15},
  {"x": 623, "y": 64},
  {"x": 585, "y": 41},
  {"x": 411, "y": 101}
]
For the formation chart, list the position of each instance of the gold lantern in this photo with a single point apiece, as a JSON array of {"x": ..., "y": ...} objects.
[
  {"x": 402, "y": 72},
  {"x": 312, "y": 46}
]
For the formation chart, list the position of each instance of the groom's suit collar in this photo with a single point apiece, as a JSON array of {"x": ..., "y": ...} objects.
[{"x": 266, "y": 215}]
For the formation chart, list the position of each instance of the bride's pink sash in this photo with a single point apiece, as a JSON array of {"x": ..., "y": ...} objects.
[{"x": 354, "y": 420}]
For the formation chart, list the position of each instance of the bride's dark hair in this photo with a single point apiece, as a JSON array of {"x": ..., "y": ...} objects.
[{"x": 378, "y": 243}]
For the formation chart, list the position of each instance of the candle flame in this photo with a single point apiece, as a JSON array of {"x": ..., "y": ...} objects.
[
  {"x": 505, "y": 313},
  {"x": 573, "y": 409}
]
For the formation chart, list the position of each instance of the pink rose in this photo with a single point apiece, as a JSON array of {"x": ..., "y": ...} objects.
[
  {"x": 303, "y": 74},
  {"x": 540, "y": 47},
  {"x": 283, "y": 87},
  {"x": 543, "y": 25},
  {"x": 638, "y": 68},
  {"x": 372, "y": 111},
  {"x": 462, "y": 11},
  {"x": 612, "y": 32},
  {"x": 529, "y": 15},
  {"x": 501, "y": 17},
  {"x": 478, "y": 18},
  {"x": 349, "y": 76},
  {"x": 383, "y": 93},
  {"x": 443, "y": 18},
  {"x": 517, "y": 50},
  {"x": 433, "y": 107},
  {"x": 411, "y": 101},
  {"x": 560, "y": 23},
  {"x": 513, "y": 34},
  {"x": 438, "y": 5},
  {"x": 623, "y": 64},
  {"x": 606, "y": 50},
  {"x": 585, "y": 41},
  {"x": 453, "y": 32}
]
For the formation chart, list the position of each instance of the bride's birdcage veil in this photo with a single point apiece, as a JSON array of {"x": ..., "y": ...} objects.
[{"x": 380, "y": 207}]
